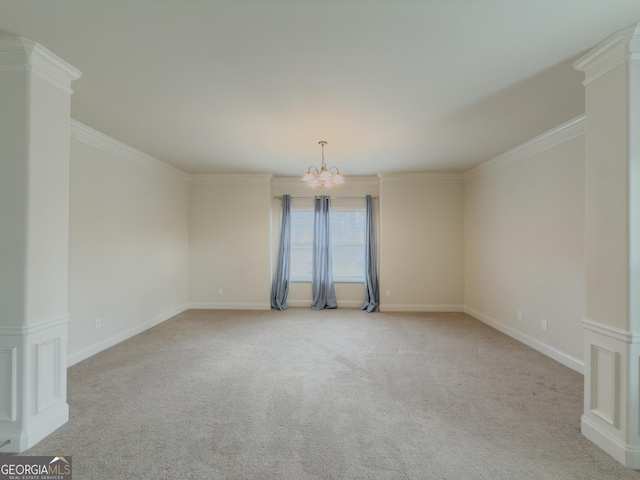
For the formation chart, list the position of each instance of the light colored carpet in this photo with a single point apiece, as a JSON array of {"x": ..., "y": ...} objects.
[{"x": 325, "y": 395}]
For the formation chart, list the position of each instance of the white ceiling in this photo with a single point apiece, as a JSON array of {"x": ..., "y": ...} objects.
[{"x": 252, "y": 86}]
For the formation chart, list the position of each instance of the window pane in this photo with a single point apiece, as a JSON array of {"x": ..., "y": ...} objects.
[
  {"x": 348, "y": 261},
  {"x": 347, "y": 239},
  {"x": 301, "y": 244},
  {"x": 347, "y": 244}
]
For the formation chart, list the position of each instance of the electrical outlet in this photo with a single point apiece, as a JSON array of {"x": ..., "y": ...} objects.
[
  {"x": 388, "y": 293},
  {"x": 98, "y": 322},
  {"x": 219, "y": 291},
  {"x": 519, "y": 314},
  {"x": 543, "y": 324}
]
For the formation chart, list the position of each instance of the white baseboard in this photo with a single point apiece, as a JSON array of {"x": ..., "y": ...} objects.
[
  {"x": 57, "y": 417},
  {"x": 24, "y": 440},
  {"x": 552, "y": 352},
  {"x": 420, "y": 308},
  {"x": 230, "y": 306},
  {"x": 110, "y": 342},
  {"x": 628, "y": 457}
]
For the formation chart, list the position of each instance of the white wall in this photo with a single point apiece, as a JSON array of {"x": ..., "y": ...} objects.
[
  {"x": 229, "y": 241},
  {"x": 128, "y": 248},
  {"x": 348, "y": 295},
  {"x": 524, "y": 249},
  {"x": 421, "y": 242}
]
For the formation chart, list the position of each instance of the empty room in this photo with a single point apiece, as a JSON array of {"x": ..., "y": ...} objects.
[{"x": 320, "y": 239}]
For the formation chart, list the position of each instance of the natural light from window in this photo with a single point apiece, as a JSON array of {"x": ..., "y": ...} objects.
[{"x": 347, "y": 244}]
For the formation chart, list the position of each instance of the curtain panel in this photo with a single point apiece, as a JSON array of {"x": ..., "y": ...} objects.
[
  {"x": 372, "y": 291},
  {"x": 280, "y": 285},
  {"x": 322, "y": 273}
]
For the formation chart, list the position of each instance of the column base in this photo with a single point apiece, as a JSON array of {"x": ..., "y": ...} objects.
[
  {"x": 21, "y": 441},
  {"x": 626, "y": 455},
  {"x": 33, "y": 369},
  {"x": 610, "y": 418}
]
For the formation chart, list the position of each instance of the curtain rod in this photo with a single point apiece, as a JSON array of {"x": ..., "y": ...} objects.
[{"x": 332, "y": 198}]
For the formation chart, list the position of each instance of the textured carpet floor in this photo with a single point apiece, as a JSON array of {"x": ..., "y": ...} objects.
[{"x": 325, "y": 395}]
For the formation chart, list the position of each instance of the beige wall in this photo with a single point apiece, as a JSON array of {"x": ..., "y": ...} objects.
[
  {"x": 524, "y": 248},
  {"x": 421, "y": 243},
  {"x": 128, "y": 248},
  {"x": 229, "y": 242}
]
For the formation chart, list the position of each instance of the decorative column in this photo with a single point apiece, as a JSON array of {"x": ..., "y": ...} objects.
[
  {"x": 612, "y": 246},
  {"x": 35, "y": 102}
]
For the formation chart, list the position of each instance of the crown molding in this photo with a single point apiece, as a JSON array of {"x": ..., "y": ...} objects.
[
  {"x": 264, "y": 178},
  {"x": 420, "y": 178},
  {"x": 608, "y": 54},
  {"x": 107, "y": 144},
  {"x": 562, "y": 133},
  {"x": 99, "y": 140},
  {"x": 18, "y": 53},
  {"x": 360, "y": 180},
  {"x": 571, "y": 129}
]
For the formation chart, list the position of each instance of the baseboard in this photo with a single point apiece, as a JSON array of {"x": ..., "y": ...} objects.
[
  {"x": 53, "y": 421},
  {"x": 21, "y": 441},
  {"x": 110, "y": 342},
  {"x": 230, "y": 306},
  {"x": 552, "y": 352},
  {"x": 628, "y": 457},
  {"x": 401, "y": 307}
]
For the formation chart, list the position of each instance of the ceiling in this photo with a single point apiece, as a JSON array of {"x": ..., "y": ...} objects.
[{"x": 252, "y": 86}]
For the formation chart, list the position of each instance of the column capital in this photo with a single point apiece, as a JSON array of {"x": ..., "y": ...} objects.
[
  {"x": 18, "y": 53},
  {"x": 611, "y": 52}
]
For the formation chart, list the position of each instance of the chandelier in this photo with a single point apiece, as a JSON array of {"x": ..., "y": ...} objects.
[{"x": 327, "y": 177}]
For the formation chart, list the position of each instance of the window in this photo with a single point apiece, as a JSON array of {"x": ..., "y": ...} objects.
[
  {"x": 347, "y": 245},
  {"x": 347, "y": 242},
  {"x": 301, "y": 244}
]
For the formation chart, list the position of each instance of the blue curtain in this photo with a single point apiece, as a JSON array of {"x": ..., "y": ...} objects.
[
  {"x": 322, "y": 273},
  {"x": 372, "y": 292},
  {"x": 280, "y": 285}
]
